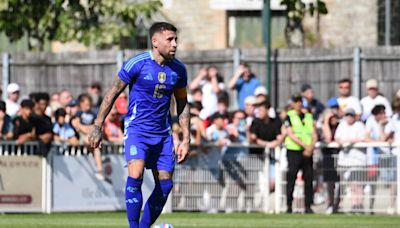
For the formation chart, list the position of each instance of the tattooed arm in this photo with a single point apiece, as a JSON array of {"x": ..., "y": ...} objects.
[
  {"x": 184, "y": 121},
  {"x": 105, "y": 107}
]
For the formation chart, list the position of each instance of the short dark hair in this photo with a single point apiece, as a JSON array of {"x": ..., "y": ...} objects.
[
  {"x": 344, "y": 80},
  {"x": 297, "y": 98},
  {"x": 265, "y": 104},
  {"x": 160, "y": 27},
  {"x": 27, "y": 103},
  {"x": 305, "y": 87},
  {"x": 96, "y": 85},
  {"x": 3, "y": 106},
  {"x": 378, "y": 109},
  {"x": 60, "y": 112},
  {"x": 83, "y": 97}
]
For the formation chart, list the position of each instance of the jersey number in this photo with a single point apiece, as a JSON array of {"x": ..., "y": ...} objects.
[{"x": 158, "y": 91}]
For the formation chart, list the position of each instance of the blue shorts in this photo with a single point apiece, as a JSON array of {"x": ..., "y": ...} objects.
[{"x": 157, "y": 152}]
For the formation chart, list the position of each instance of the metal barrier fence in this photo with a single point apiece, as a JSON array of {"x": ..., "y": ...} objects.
[
  {"x": 222, "y": 179},
  {"x": 358, "y": 189}
]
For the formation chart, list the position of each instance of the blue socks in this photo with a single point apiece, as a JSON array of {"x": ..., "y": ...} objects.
[
  {"x": 155, "y": 203},
  {"x": 134, "y": 200}
]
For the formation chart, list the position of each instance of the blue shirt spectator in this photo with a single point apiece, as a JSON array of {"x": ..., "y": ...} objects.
[{"x": 244, "y": 82}]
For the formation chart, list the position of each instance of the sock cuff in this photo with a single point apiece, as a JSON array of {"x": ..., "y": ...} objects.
[{"x": 134, "y": 181}]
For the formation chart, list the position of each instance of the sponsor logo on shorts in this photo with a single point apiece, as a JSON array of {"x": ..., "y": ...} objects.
[{"x": 133, "y": 150}]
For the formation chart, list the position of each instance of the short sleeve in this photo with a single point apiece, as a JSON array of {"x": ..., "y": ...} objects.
[
  {"x": 253, "y": 127},
  {"x": 131, "y": 69},
  {"x": 182, "y": 78},
  {"x": 239, "y": 84}
]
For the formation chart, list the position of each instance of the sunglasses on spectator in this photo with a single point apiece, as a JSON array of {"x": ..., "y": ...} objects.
[
  {"x": 344, "y": 87},
  {"x": 348, "y": 114}
]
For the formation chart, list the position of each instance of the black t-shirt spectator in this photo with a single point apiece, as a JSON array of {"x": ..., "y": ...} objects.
[
  {"x": 265, "y": 130},
  {"x": 22, "y": 126},
  {"x": 42, "y": 124}
]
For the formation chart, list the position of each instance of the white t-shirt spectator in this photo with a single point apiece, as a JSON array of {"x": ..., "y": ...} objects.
[
  {"x": 210, "y": 99},
  {"x": 368, "y": 103},
  {"x": 394, "y": 126},
  {"x": 12, "y": 108},
  {"x": 350, "y": 102},
  {"x": 353, "y": 156},
  {"x": 374, "y": 129}
]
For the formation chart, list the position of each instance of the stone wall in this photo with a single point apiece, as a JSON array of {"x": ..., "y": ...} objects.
[
  {"x": 200, "y": 27},
  {"x": 348, "y": 24}
]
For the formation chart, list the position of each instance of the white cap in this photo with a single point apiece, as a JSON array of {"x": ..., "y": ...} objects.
[
  {"x": 250, "y": 100},
  {"x": 261, "y": 90},
  {"x": 371, "y": 83},
  {"x": 12, "y": 88},
  {"x": 398, "y": 93}
]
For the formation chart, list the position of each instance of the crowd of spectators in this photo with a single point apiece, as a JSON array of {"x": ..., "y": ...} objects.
[
  {"x": 63, "y": 118},
  {"x": 60, "y": 118}
]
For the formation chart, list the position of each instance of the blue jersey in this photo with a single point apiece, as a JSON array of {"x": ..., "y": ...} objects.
[{"x": 151, "y": 86}]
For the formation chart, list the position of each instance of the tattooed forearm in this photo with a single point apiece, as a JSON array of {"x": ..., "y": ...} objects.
[
  {"x": 108, "y": 101},
  {"x": 184, "y": 118}
]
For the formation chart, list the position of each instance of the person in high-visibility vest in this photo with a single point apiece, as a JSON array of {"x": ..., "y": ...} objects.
[{"x": 299, "y": 142}]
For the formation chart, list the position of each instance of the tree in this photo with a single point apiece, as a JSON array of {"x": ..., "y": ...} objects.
[
  {"x": 92, "y": 22},
  {"x": 295, "y": 13}
]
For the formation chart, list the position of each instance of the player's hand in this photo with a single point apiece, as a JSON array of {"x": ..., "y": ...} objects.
[
  {"x": 182, "y": 152},
  {"x": 95, "y": 137}
]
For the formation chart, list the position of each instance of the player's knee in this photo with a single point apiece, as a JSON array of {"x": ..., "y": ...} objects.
[
  {"x": 164, "y": 175},
  {"x": 135, "y": 168}
]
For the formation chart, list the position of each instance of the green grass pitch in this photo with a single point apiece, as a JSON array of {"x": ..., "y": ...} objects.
[{"x": 197, "y": 220}]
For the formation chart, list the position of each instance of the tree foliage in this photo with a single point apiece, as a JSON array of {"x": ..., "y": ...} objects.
[
  {"x": 92, "y": 22},
  {"x": 296, "y": 10}
]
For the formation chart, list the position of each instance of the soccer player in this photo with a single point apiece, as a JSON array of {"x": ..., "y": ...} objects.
[{"x": 152, "y": 77}]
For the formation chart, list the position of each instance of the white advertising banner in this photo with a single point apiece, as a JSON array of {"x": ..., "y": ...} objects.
[
  {"x": 21, "y": 184},
  {"x": 76, "y": 188}
]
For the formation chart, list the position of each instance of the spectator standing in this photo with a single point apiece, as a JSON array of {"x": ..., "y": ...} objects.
[
  {"x": 6, "y": 125},
  {"x": 218, "y": 135},
  {"x": 374, "y": 98},
  {"x": 41, "y": 122},
  {"x": 63, "y": 131},
  {"x": 352, "y": 162},
  {"x": 377, "y": 131},
  {"x": 212, "y": 87},
  {"x": 24, "y": 129},
  {"x": 329, "y": 171},
  {"x": 244, "y": 82},
  {"x": 310, "y": 102},
  {"x": 266, "y": 132},
  {"x": 391, "y": 163},
  {"x": 82, "y": 124},
  {"x": 345, "y": 99},
  {"x": 12, "y": 100},
  {"x": 299, "y": 142}
]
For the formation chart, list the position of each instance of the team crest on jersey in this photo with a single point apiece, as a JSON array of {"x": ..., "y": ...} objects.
[{"x": 162, "y": 76}]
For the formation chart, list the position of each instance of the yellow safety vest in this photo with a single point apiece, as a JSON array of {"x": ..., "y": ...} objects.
[{"x": 303, "y": 131}]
